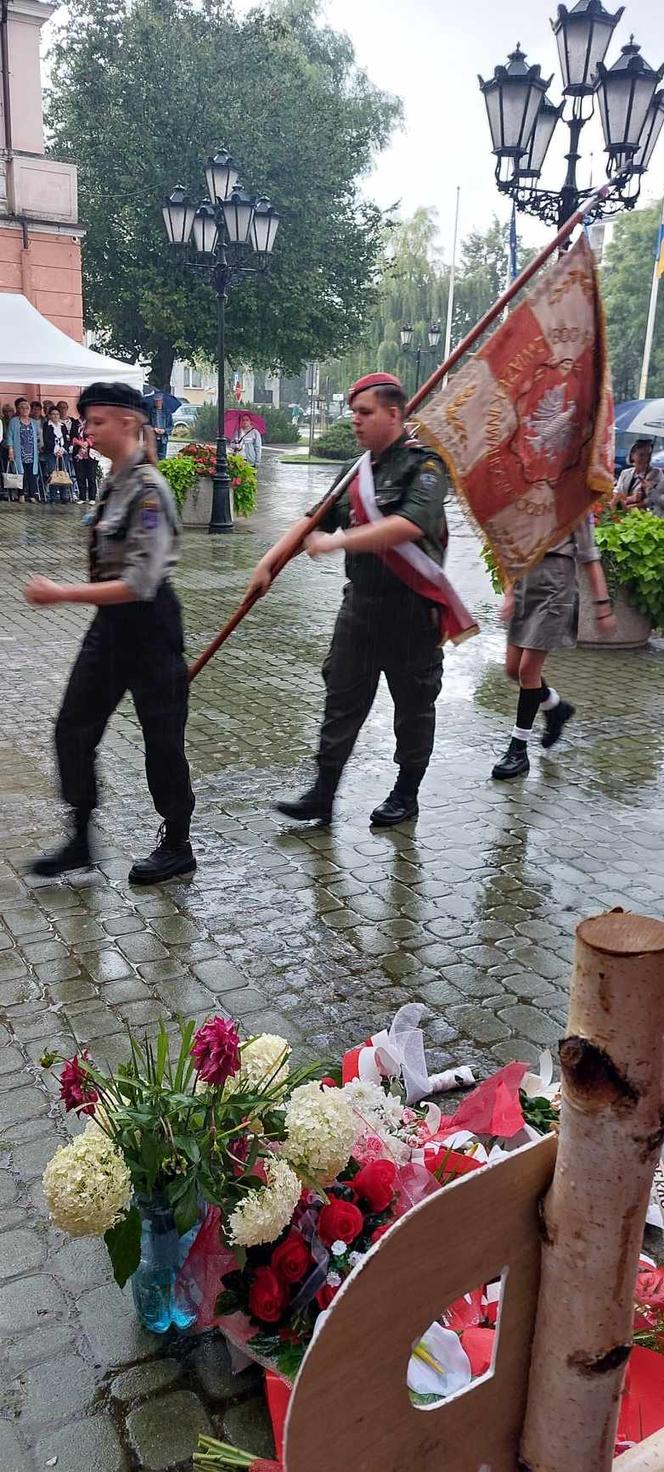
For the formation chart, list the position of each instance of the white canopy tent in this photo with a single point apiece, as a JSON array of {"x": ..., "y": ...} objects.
[{"x": 32, "y": 350}]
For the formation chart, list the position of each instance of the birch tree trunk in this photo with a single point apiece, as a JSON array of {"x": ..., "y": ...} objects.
[{"x": 611, "y": 1130}]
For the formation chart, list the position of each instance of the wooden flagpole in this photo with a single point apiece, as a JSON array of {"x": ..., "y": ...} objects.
[{"x": 296, "y": 543}]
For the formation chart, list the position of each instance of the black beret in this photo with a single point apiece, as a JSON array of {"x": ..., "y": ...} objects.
[{"x": 115, "y": 395}]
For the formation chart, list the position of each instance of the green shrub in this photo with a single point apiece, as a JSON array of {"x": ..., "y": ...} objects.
[
  {"x": 338, "y": 443},
  {"x": 632, "y": 548},
  {"x": 205, "y": 423}
]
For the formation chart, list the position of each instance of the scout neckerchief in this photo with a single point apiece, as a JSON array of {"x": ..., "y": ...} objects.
[{"x": 411, "y": 564}]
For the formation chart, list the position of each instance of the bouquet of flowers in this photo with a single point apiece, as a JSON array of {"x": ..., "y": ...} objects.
[{"x": 203, "y": 1128}]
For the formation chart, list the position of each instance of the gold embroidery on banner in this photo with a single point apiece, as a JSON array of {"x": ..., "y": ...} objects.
[
  {"x": 577, "y": 277},
  {"x": 520, "y": 361},
  {"x": 452, "y": 413}
]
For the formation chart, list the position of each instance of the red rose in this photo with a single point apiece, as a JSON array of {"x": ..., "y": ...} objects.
[
  {"x": 341, "y": 1221},
  {"x": 380, "y": 1232},
  {"x": 328, "y": 1082},
  {"x": 268, "y": 1298},
  {"x": 325, "y": 1295},
  {"x": 292, "y": 1260},
  {"x": 376, "y": 1184}
]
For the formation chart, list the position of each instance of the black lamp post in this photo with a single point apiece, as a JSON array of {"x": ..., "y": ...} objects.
[
  {"x": 523, "y": 119},
  {"x": 233, "y": 234},
  {"x": 406, "y": 334}
]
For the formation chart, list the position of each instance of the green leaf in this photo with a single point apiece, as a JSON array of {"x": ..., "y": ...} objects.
[
  {"x": 185, "y": 1211},
  {"x": 124, "y": 1246}
]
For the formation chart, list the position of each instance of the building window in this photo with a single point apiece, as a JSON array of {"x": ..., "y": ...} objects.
[{"x": 193, "y": 377}]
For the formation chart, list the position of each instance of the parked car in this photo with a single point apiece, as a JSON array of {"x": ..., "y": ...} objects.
[{"x": 184, "y": 420}]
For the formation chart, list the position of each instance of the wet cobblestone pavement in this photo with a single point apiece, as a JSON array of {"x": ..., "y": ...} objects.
[{"x": 319, "y": 934}]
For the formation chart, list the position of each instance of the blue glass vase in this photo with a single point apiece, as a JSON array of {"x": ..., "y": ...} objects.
[{"x": 164, "y": 1296}]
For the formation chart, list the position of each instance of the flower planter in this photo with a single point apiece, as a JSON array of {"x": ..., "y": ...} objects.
[
  {"x": 633, "y": 629},
  {"x": 197, "y": 507}
]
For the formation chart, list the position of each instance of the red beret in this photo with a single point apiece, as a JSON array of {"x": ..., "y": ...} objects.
[{"x": 374, "y": 380}]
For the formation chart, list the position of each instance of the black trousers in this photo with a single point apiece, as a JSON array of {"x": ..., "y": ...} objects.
[
  {"x": 86, "y": 478},
  {"x": 136, "y": 647},
  {"x": 395, "y": 634}
]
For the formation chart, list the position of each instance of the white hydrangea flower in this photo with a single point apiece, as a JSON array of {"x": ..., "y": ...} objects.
[
  {"x": 334, "y": 1280},
  {"x": 259, "y": 1060},
  {"x": 321, "y": 1130},
  {"x": 378, "y": 1114},
  {"x": 338, "y": 1249},
  {"x": 263, "y": 1214},
  {"x": 87, "y": 1185}
]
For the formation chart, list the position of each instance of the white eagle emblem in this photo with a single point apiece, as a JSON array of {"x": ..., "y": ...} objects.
[{"x": 550, "y": 427}]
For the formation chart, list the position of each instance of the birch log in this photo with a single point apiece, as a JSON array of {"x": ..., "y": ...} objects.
[
  {"x": 611, "y": 1130},
  {"x": 648, "y": 1457}
]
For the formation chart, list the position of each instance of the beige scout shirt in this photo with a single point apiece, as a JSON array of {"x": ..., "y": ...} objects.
[{"x": 135, "y": 533}]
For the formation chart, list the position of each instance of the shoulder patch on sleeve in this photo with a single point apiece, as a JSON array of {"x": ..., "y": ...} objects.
[{"x": 150, "y": 510}]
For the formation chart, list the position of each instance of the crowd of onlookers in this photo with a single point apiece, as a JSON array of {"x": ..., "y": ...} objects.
[{"x": 46, "y": 453}]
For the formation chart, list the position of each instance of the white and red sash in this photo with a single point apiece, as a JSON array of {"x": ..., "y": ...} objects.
[{"x": 411, "y": 563}]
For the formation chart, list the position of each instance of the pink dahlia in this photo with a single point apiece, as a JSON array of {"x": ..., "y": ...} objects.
[
  {"x": 76, "y": 1088},
  {"x": 216, "y": 1051}
]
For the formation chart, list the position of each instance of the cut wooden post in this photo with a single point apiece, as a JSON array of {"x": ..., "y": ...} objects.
[{"x": 611, "y": 1129}]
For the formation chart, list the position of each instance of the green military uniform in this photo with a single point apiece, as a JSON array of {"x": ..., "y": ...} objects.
[{"x": 383, "y": 626}]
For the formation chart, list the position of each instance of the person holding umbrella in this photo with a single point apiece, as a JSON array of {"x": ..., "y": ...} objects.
[
  {"x": 641, "y": 484},
  {"x": 160, "y": 417},
  {"x": 247, "y": 441}
]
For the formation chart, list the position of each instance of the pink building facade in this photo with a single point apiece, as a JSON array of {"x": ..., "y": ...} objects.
[{"x": 40, "y": 237}]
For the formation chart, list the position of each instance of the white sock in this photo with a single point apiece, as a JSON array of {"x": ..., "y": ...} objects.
[
  {"x": 522, "y": 733},
  {"x": 552, "y": 700}
]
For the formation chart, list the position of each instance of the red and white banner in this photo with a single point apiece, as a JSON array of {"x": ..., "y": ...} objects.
[
  {"x": 526, "y": 426},
  {"x": 411, "y": 563}
]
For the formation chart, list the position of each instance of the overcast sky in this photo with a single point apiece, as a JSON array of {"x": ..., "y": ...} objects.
[{"x": 429, "y": 52}]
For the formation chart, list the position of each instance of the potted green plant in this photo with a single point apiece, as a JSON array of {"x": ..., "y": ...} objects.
[
  {"x": 632, "y": 547},
  {"x": 189, "y": 475}
]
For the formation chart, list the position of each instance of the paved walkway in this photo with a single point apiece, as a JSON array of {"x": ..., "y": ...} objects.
[{"x": 319, "y": 934}]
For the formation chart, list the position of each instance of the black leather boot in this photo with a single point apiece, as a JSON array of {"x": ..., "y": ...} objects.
[
  {"x": 401, "y": 804},
  {"x": 514, "y": 763},
  {"x": 172, "y": 857},
  {"x": 555, "y": 720},
  {"x": 316, "y": 804},
  {"x": 73, "y": 854}
]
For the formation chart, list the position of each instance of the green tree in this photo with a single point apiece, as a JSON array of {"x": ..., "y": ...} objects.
[
  {"x": 626, "y": 282},
  {"x": 141, "y": 92},
  {"x": 414, "y": 288}
]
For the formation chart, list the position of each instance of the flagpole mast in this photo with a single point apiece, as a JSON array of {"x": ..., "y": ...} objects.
[
  {"x": 450, "y": 298},
  {"x": 652, "y": 312},
  {"x": 298, "y": 535}
]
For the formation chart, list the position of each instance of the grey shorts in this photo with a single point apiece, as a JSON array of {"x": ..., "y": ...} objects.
[{"x": 546, "y": 606}]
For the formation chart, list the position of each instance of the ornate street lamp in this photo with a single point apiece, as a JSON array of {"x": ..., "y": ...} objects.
[
  {"x": 233, "y": 236},
  {"x": 406, "y": 335},
  {"x": 522, "y": 120}
]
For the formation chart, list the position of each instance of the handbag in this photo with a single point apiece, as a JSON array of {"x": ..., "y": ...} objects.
[
  {"x": 59, "y": 478},
  {"x": 12, "y": 481}
]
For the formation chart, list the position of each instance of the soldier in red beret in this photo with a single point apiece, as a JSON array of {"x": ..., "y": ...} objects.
[{"x": 390, "y": 523}]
